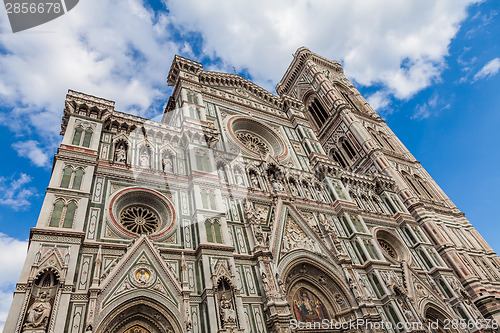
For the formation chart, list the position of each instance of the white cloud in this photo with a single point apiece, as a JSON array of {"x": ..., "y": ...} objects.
[
  {"x": 11, "y": 270},
  {"x": 14, "y": 194},
  {"x": 121, "y": 50},
  {"x": 490, "y": 69},
  {"x": 379, "y": 100},
  {"x": 31, "y": 150},
  {"x": 400, "y": 44},
  {"x": 426, "y": 110},
  {"x": 114, "y": 49}
]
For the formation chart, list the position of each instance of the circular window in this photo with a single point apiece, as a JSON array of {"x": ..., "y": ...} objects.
[
  {"x": 388, "y": 248},
  {"x": 256, "y": 138},
  {"x": 139, "y": 220},
  {"x": 392, "y": 247},
  {"x": 253, "y": 142},
  {"x": 141, "y": 211}
]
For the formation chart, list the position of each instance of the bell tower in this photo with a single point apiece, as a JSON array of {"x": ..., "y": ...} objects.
[{"x": 359, "y": 140}]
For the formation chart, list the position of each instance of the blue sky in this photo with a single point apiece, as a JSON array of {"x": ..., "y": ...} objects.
[{"x": 429, "y": 67}]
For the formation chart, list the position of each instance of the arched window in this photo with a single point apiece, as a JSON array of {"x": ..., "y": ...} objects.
[
  {"x": 360, "y": 251},
  {"x": 77, "y": 181},
  {"x": 391, "y": 207},
  {"x": 214, "y": 231},
  {"x": 337, "y": 157},
  {"x": 348, "y": 99},
  {"x": 424, "y": 256},
  {"x": 77, "y": 136},
  {"x": 62, "y": 214},
  {"x": 388, "y": 142},
  {"x": 203, "y": 161},
  {"x": 347, "y": 148},
  {"x": 66, "y": 178},
  {"x": 411, "y": 183},
  {"x": 208, "y": 200},
  {"x": 445, "y": 288},
  {"x": 318, "y": 113},
  {"x": 70, "y": 215},
  {"x": 346, "y": 225},
  {"x": 377, "y": 285},
  {"x": 87, "y": 137},
  {"x": 209, "y": 230},
  {"x": 56, "y": 213},
  {"x": 423, "y": 184},
  {"x": 378, "y": 205},
  {"x": 410, "y": 235},
  {"x": 376, "y": 137}
]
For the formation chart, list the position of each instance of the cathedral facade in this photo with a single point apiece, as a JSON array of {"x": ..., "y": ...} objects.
[{"x": 243, "y": 211}]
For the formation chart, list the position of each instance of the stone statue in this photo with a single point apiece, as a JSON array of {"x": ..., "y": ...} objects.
[
  {"x": 144, "y": 160},
  {"x": 167, "y": 164},
  {"x": 238, "y": 178},
  {"x": 39, "y": 312},
  {"x": 227, "y": 311},
  {"x": 254, "y": 180},
  {"x": 265, "y": 284},
  {"x": 222, "y": 173},
  {"x": 293, "y": 189},
  {"x": 120, "y": 155}
]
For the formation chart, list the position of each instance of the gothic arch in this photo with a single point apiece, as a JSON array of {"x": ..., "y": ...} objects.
[
  {"x": 316, "y": 110},
  {"x": 432, "y": 313},
  {"x": 138, "y": 309},
  {"x": 311, "y": 280},
  {"x": 300, "y": 257}
]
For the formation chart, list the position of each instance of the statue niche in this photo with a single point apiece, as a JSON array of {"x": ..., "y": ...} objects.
[
  {"x": 227, "y": 309},
  {"x": 41, "y": 303},
  {"x": 121, "y": 149}
]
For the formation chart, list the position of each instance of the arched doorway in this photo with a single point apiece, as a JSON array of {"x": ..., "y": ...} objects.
[
  {"x": 316, "y": 297},
  {"x": 140, "y": 315},
  {"x": 436, "y": 321}
]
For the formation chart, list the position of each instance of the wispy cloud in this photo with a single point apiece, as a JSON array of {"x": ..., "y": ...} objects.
[
  {"x": 490, "y": 69},
  {"x": 14, "y": 193},
  {"x": 431, "y": 108},
  {"x": 11, "y": 270},
  {"x": 31, "y": 149}
]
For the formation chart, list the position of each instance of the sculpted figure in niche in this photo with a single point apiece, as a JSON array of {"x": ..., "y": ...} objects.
[
  {"x": 144, "y": 159},
  {"x": 227, "y": 310},
  {"x": 222, "y": 173},
  {"x": 39, "y": 312},
  {"x": 238, "y": 177},
  {"x": 121, "y": 154},
  {"x": 167, "y": 164},
  {"x": 307, "y": 191},
  {"x": 254, "y": 180}
]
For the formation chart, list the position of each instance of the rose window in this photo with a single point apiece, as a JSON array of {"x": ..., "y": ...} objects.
[
  {"x": 387, "y": 248},
  {"x": 253, "y": 143},
  {"x": 256, "y": 138},
  {"x": 139, "y": 220}
]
